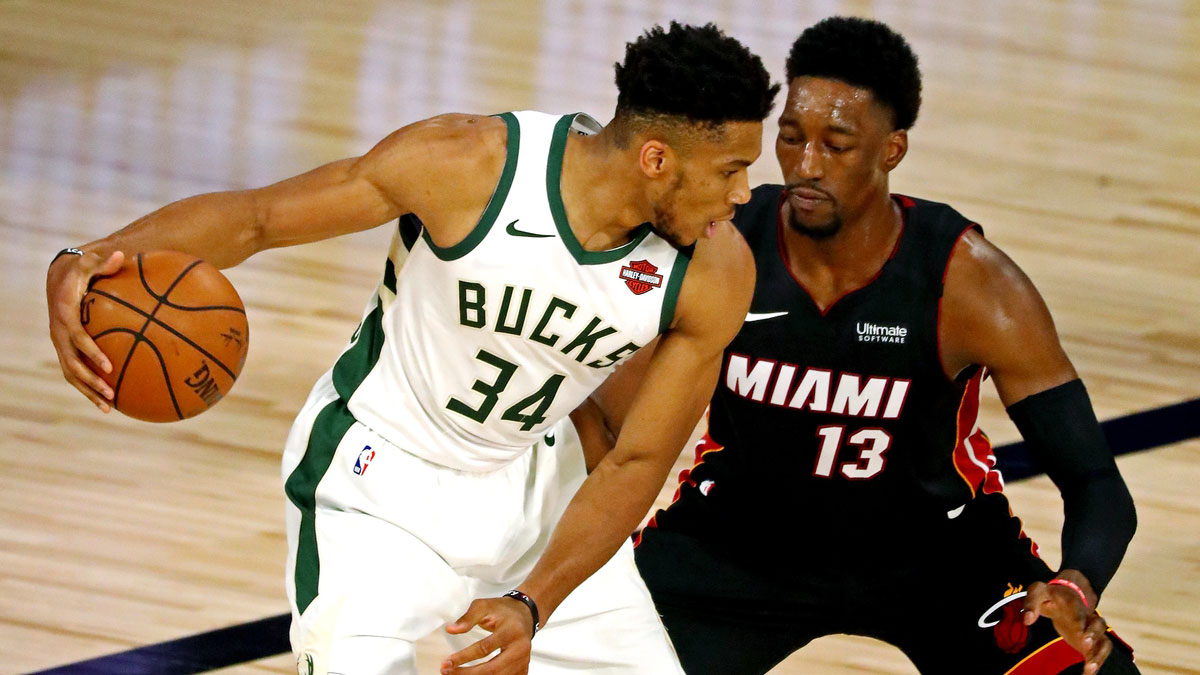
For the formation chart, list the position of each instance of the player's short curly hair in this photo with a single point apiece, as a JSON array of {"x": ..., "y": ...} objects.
[
  {"x": 862, "y": 53},
  {"x": 696, "y": 73}
]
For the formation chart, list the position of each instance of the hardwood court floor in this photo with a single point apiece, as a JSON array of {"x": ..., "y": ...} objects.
[{"x": 1068, "y": 129}]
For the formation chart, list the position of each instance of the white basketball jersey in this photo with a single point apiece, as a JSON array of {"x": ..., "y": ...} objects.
[{"x": 481, "y": 346}]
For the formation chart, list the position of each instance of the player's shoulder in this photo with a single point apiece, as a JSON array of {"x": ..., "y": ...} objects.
[
  {"x": 982, "y": 280},
  {"x": 719, "y": 282},
  {"x": 978, "y": 259},
  {"x": 460, "y": 155},
  {"x": 723, "y": 255},
  {"x": 457, "y": 137}
]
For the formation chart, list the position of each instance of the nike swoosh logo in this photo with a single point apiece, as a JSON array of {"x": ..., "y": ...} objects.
[
  {"x": 512, "y": 229},
  {"x": 759, "y": 317}
]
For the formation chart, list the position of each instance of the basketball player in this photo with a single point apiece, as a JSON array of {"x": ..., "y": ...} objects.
[
  {"x": 534, "y": 254},
  {"x": 844, "y": 485}
]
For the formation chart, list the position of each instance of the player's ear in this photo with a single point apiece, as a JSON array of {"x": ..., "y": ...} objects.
[
  {"x": 897, "y": 148},
  {"x": 655, "y": 158}
]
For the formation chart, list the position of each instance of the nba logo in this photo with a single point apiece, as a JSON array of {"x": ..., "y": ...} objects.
[{"x": 364, "y": 457}]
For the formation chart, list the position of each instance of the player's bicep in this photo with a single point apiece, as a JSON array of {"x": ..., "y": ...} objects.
[
  {"x": 328, "y": 201},
  {"x": 408, "y": 172}
]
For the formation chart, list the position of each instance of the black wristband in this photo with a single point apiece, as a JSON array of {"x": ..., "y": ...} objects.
[
  {"x": 518, "y": 595},
  {"x": 65, "y": 251}
]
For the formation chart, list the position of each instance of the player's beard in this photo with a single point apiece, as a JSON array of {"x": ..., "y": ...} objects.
[
  {"x": 823, "y": 230},
  {"x": 666, "y": 221}
]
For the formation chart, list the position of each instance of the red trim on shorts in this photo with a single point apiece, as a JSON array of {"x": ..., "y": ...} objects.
[
  {"x": 1056, "y": 656},
  {"x": 1053, "y": 657}
]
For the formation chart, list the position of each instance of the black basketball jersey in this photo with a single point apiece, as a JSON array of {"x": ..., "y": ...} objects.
[{"x": 836, "y": 433}]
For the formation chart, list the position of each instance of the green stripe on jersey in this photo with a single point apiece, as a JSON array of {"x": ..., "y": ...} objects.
[
  {"x": 672, "y": 291},
  {"x": 512, "y": 146},
  {"x": 328, "y": 429},
  {"x": 558, "y": 145}
]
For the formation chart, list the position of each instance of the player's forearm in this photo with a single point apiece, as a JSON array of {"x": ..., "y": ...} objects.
[
  {"x": 1099, "y": 523},
  {"x": 219, "y": 227},
  {"x": 603, "y": 514},
  {"x": 1063, "y": 435}
]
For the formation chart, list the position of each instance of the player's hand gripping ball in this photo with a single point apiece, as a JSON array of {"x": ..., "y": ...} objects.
[{"x": 175, "y": 331}]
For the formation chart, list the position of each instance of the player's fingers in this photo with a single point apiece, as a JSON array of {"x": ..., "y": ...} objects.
[
  {"x": 1097, "y": 641},
  {"x": 90, "y": 393},
  {"x": 472, "y": 652},
  {"x": 1034, "y": 597},
  {"x": 468, "y": 620},
  {"x": 87, "y": 347},
  {"x": 1098, "y": 656},
  {"x": 65, "y": 291},
  {"x": 110, "y": 265},
  {"x": 77, "y": 371},
  {"x": 513, "y": 659}
]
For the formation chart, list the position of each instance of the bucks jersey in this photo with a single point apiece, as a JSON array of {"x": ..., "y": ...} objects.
[
  {"x": 835, "y": 430},
  {"x": 486, "y": 343}
]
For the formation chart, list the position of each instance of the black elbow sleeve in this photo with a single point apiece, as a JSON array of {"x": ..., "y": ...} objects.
[{"x": 1064, "y": 437}]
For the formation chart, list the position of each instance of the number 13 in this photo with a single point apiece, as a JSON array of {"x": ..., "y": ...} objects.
[{"x": 872, "y": 443}]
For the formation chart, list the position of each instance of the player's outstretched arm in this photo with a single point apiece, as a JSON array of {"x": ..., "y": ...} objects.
[
  {"x": 679, "y": 380},
  {"x": 994, "y": 317},
  {"x": 403, "y": 173}
]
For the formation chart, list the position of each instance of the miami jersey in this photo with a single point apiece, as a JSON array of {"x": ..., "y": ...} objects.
[
  {"x": 483, "y": 345},
  {"x": 839, "y": 420}
]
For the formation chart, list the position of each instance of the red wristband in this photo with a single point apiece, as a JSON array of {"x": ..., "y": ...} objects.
[{"x": 1075, "y": 587}]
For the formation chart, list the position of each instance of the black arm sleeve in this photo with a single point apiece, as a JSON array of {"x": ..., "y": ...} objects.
[{"x": 1064, "y": 437}]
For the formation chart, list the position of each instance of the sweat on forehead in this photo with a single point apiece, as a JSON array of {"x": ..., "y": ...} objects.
[{"x": 837, "y": 101}]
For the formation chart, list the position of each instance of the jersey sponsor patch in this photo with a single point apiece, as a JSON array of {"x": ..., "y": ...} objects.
[
  {"x": 640, "y": 277},
  {"x": 869, "y": 332}
]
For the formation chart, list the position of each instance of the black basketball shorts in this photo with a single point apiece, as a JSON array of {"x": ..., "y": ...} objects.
[{"x": 952, "y": 609}]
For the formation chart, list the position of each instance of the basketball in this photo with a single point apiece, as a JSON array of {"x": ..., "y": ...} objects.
[{"x": 175, "y": 331}]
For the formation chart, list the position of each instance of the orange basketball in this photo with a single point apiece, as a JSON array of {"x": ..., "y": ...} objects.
[{"x": 175, "y": 331}]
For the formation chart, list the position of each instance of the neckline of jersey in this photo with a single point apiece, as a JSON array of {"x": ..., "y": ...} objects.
[
  {"x": 836, "y": 301},
  {"x": 558, "y": 145}
]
